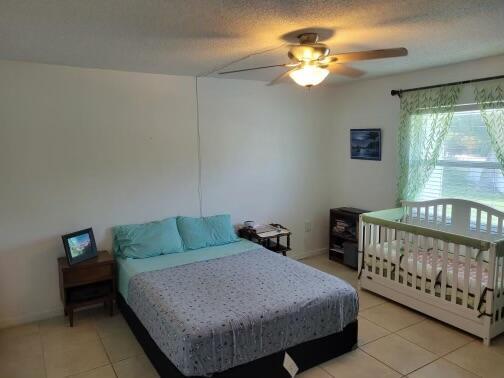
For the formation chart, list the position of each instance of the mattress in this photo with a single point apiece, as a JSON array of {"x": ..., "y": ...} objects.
[
  {"x": 209, "y": 316},
  {"x": 128, "y": 268}
]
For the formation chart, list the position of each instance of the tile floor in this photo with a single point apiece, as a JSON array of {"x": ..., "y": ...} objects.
[{"x": 393, "y": 342}]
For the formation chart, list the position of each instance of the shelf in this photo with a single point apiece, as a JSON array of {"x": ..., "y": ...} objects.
[
  {"x": 344, "y": 237},
  {"x": 337, "y": 250},
  {"x": 89, "y": 293},
  {"x": 277, "y": 247}
]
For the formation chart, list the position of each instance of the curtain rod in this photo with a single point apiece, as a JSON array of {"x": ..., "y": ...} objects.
[{"x": 399, "y": 92}]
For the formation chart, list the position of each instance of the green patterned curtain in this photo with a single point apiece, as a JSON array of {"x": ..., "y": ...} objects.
[
  {"x": 490, "y": 98},
  {"x": 425, "y": 119}
]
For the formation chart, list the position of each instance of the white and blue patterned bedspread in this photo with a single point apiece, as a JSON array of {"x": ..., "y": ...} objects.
[{"x": 212, "y": 315}]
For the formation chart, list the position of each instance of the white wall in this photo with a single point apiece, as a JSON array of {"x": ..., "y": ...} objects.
[
  {"x": 84, "y": 148},
  {"x": 96, "y": 148},
  {"x": 372, "y": 185},
  {"x": 264, "y": 157}
]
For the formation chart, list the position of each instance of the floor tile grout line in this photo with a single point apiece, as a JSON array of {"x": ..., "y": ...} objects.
[
  {"x": 43, "y": 351},
  {"x": 461, "y": 367},
  {"x": 438, "y": 356},
  {"x": 104, "y": 348},
  {"x": 372, "y": 341},
  {"x": 86, "y": 371},
  {"x": 419, "y": 346},
  {"x": 400, "y": 329},
  {"x": 381, "y": 362},
  {"x": 371, "y": 307},
  {"x": 454, "y": 363},
  {"x": 328, "y": 373}
]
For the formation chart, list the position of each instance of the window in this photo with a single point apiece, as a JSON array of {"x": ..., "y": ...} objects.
[{"x": 467, "y": 167}]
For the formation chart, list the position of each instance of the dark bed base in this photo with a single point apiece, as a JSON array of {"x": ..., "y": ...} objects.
[{"x": 306, "y": 355}]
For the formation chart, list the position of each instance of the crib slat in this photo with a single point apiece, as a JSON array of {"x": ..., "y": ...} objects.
[
  {"x": 406, "y": 257},
  {"x": 479, "y": 268},
  {"x": 454, "y": 289},
  {"x": 444, "y": 273},
  {"x": 489, "y": 306},
  {"x": 478, "y": 221},
  {"x": 424, "y": 263},
  {"x": 500, "y": 280},
  {"x": 415, "y": 261},
  {"x": 367, "y": 244},
  {"x": 433, "y": 276},
  {"x": 381, "y": 254},
  {"x": 467, "y": 261},
  {"x": 489, "y": 223},
  {"x": 373, "y": 242},
  {"x": 435, "y": 216},
  {"x": 443, "y": 214},
  {"x": 399, "y": 238},
  {"x": 502, "y": 276},
  {"x": 390, "y": 252}
]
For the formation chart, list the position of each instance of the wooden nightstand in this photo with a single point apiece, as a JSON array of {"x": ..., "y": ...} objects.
[
  {"x": 88, "y": 282},
  {"x": 273, "y": 243}
]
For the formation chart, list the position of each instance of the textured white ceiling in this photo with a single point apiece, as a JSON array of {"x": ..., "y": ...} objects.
[{"x": 194, "y": 37}]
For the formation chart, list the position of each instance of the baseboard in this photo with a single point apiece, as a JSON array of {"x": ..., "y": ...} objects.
[
  {"x": 29, "y": 318},
  {"x": 305, "y": 254}
]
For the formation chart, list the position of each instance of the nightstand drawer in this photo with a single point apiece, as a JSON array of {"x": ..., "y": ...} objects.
[{"x": 88, "y": 274}]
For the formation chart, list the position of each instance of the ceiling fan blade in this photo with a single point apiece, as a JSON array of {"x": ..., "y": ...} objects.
[
  {"x": 256, "y": 68},
  {"x": 368, "y": 55},
  {"x": 341, "y": 69},
  {"x": 279, "y": 78}
]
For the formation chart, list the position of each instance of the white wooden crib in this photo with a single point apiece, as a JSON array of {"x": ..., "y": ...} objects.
[{"x": 444, "y": 258}]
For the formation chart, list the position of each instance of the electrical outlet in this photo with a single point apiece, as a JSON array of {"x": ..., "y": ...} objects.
[{"x": 307, "y": 226}]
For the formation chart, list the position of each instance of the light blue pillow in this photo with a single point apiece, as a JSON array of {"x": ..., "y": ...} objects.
[
  {"x": 221, "y": 229},
  {"x": 139, "y": 241},
  {"x": 204, "y": 232}
]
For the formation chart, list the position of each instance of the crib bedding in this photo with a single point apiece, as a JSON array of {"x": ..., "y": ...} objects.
[
  {"x": 429, "y": 265},
  {"x": 211, "y": 315}
]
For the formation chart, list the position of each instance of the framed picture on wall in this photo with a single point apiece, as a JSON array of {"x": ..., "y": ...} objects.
[
  {"x": 80, "y": 246},
  {"x": 365, "y": 144}
]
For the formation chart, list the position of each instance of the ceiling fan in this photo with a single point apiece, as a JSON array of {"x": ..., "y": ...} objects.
[{"x": 311, "y": 63}]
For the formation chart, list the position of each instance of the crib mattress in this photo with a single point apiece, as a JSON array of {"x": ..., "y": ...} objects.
[
  {"x": 429, "y": 273},
  {"x": 429, "y": 267}
]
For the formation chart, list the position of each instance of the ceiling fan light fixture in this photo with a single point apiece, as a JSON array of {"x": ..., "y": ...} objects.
[{"x": 309, "y": 75}]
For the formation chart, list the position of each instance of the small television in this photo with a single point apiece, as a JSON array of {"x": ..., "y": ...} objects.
[{"x": 365, "y": 144}]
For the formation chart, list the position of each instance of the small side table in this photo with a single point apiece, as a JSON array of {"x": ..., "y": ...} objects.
[
  {"x": 88, "y": 282},
  {"x": 273, "y": 242}
]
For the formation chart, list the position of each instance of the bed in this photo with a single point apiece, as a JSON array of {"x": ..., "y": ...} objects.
[
  {"x": 443, "y": 257},
  {"x": 235, "y": 310}
]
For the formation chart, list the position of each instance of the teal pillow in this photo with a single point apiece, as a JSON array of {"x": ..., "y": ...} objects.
[
  {"x": 221, "y": 229},
  {"x": 204, "y": 232},
  {"x": 139, "y": 241}
]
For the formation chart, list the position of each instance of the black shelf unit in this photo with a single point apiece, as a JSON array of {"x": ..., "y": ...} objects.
[{"x": 344, "y": 235}]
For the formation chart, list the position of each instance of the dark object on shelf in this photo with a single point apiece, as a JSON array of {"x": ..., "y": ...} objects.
[
  {"x": 273, "y": 243},
  {"x": 306, "y": 355},
  {"x": 90, "y": 282},
  {"x": 365, "y": 144},
  {"x": 344, "y": 235},
  {"x": 79, "y": 246}
]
